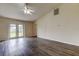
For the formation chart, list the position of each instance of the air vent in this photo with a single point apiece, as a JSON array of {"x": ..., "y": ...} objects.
[{"x": 56, "y": 11}]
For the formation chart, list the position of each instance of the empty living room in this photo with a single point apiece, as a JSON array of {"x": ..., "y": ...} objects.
[{"x": 39, "y": 29}]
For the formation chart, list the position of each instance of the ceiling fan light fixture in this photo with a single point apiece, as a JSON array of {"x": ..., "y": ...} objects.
[{"x": 27, "y": 10}]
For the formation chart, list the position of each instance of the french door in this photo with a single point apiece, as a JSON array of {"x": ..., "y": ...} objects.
[{"x": 16, "y": 31}]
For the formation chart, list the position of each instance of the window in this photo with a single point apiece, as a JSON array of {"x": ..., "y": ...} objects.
[
  {"x": 12, "y": 30},
  {"x": 16, "y": 31},
  {"x": 20, "y": 30}
]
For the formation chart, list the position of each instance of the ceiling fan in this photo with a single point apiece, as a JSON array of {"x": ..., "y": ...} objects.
[{"x": 27, "y": 10}]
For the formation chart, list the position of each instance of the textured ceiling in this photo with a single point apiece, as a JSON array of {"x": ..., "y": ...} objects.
[{"x": 15, "y": 10}]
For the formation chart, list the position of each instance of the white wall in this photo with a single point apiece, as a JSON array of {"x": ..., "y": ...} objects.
[{"x": 63, "y": 27}]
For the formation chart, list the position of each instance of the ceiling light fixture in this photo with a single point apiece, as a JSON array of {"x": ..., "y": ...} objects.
[{"x": 27, "y": 10}]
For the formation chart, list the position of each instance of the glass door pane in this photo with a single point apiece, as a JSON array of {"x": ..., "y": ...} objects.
[
  {"x": 12, "y": 30},
  {"x": 20, "y": 30}
]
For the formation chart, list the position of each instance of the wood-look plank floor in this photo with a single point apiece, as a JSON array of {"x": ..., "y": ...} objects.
[
  {"x": 36, "y": 47},
  {"x": 54, "y": 48}
]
